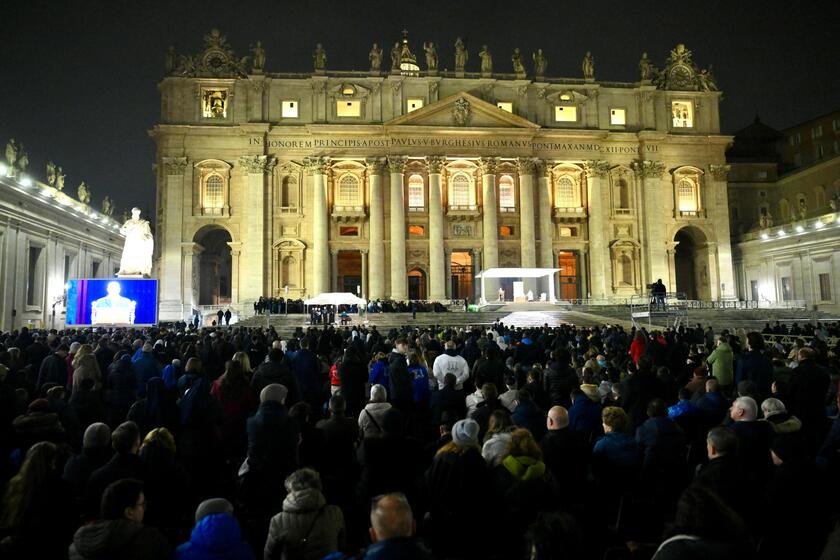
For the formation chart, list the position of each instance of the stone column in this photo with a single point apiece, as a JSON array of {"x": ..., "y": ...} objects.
[
  {"x": 235, "y": 252},
  {"x": 448, "y": 274},
  {"x": 254, "y": 271},
  {"x": 671, "y": 260},
  {"x": 528, "y": 257},
  {"x": 365, "y": 283},
  {"x": 476, "y": 262},
  {"x": 171, "y": 304},
  {"x": 437, "y": 265},
  {"x": 718, "y": 213},
  {"x": 191, "y": 255},
  {"x": 318, "y": 168},
  {"x": 377, "y": 231},
  {"x": 334, "y": 270},
  {"x": 490, "y": 229},
  {"x": 399, "y": 280},
  {"x": 655, "y": 213},
  {"x": 595, "y": 172},
  {"x": 546, "y": 225}
]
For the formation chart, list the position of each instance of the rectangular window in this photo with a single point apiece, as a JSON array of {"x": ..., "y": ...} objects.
[
  {"x": 791, "y": 140},
  {"x": 34, "y": 277},
  {"x": 754, "y": 290},
  {"x": 568, "y": 232},
  {"x": 682, "y": 114},
  {"x": 798, "y": 138},
  {"x": 787, "y": 289},
  {"x": 416, "y": 231},
  {"x": 413, "y": 104},
  {"x": 214, "y": 103},
  {"x": 818, "y": 131},
  {"x": 819, "y": 151},
  {"x": 345, "y": 108},
  {"x": 565, "y": 113},
  {"x": 617, "y": 117},
  {"x": 825, "y": 286},
  {"x": 352, "y": 231},
  {"x": 505, "y": 106},
  {"x": 761, "y": 175},
  {"x": 94, "y": 269},
  {"x": 505, "y": 231},
  {"x": 289, "y": 109}
]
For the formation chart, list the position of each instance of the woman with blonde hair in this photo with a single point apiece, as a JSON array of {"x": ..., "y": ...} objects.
[
  {"x": 85, "y": 366},
  {"x": 167, "y": 483},
  {"x": 245, "y": 361}
]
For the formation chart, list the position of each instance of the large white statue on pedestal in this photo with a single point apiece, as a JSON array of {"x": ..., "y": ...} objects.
[{"x": 139, "y": 246}]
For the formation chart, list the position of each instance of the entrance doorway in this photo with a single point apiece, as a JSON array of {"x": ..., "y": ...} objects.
[
  {"x": 350, "y": 272},
  {"x": 567, "y": 262},
  {"x": 214, "y": 267},
  {"x": 416, "y": 284},
  {"x": 691, "y": 264},
  {"x": 461, "y": 267}
]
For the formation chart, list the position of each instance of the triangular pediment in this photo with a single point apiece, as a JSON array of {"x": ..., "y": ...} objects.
[{"x": 462, "y": 110}]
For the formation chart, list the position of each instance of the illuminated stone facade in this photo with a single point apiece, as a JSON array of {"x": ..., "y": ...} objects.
[{"x": 404, "y": 184}]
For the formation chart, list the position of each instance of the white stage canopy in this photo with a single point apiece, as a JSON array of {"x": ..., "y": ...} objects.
[
  {"x": 335, "y": 298},
  {"x": 519, "y": 273}
]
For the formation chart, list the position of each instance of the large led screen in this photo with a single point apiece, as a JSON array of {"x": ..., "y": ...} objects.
[{"x": 114, "y": 301}]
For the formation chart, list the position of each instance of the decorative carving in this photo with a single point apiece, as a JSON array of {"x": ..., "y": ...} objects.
[
  {"x": 649, "y": 169},
  {"x": 257, "y": 164},
  {"x": 375, "y": 57},
  {"x": 516, "y": 60},
  {"x": 396, "y": 164},
  {"x": 319, "y": 87},
  {"x": 598, "y": 168},
  {"x": 375, "y": 165},
  {"x": 461, "y": 112},
  {"x": 59, "y": 178},
  {"x": 395, "y": 86},
  {"x": 15, "y": 156},
  {"x": 433, "y": 88},
  {"x": 486, "y": 60},
  {"x": 107, "y": 206},
  {"x": 588, "y": 67},
  {"x": 217, "y": 60},
  {"x": 540, "y": 63},
  {"x": 462, "y": 230},
  {"x": 435, "y": 164},
  {"x": 488, "y": 90},
  {"x": 260, "y": 85},
  {"x": 541, "y": 93},
  {"x": 84, "y": 193},
  {"x": 319, "y": 58},
  {"x": 543, "y": 168},
  {"x": 170, "y": 59},
  {"x": 522, "y": 91},
  {"x": 645, "y": 68},
  {"x": 680, "y": 73},
  {"x": 431, "y": 56},
  {"x": 461, "y": 56},
  {"x": 51, "y": 174},
  {"x": 719, "y": 171},
  {"x": 488, "y": 165},
  {"x": 320, "y": 165},
  {"x": 526, "y": 166},
  {"x": 174, "y": 165},
  {"x": 259, "y": 58}
]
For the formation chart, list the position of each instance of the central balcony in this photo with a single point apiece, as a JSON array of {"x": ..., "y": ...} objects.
[{"x": 569, "y": 214}]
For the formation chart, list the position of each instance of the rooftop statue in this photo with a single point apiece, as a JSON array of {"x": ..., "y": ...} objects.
[
  {"x": 51, "y": 174},
  {"x": 395, "y": 58},
  {"x": 84, "y": 193},
  {"x": 431, "y": 56},
  {"x": 107, "y": 206},
  {"x": 320, "y": 57},
  {"x": 706, "y": 80},
  {"x": 645, "y": 68},
  {"x": 486, "y": 60},
  {"x": 59, "y": 178},
  {"x": 139, "y": 246},
  {"x": 516, "y": 59},
  {"x": 259, "y": 57},
  {"x": 461, "y": 55},
  {"x": 375, "y": 57},
  {"x": 17, "y": 158},
  {"x": 588, "y": 66},
  {"x": 170, "y": 59},
  {"x": 540, "y": 63}
]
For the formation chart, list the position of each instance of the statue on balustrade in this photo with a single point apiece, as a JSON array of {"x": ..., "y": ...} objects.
[
  {"x": 540, "y": 63},
  {"x": 588, "y": 66},
  {"x": 431, "y": 56},
  {"x": 375, "y": 57},
  {"x": 320, "y": 58},
  {"x": 461, "y": 55},
  {"x": 139, "y": 246},
  {"x": 486, "y": 60},
  {"x": 516, "y": 60}
]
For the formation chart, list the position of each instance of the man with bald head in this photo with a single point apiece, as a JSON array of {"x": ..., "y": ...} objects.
[
  {"x": 565, "y": 453},
  {"x": 392, "y": 530}
]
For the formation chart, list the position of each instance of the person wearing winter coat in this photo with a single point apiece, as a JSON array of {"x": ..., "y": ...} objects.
[
  {"x": 402, "y": 394},
  {"x": 528, "y": 415},
  {"x": 120, "y": 390},
  {"x": 782, "y": 421},
  {"x": 216, "y": 534},
  {"x": 307, "y": 528},
  {"x": 721, "y": 360},
  {"x": 96, "y": 452},
  {"x": 451, "y": 362},
  {"x": 276, "y": 371},
  {"x": 86, "y": 368},
  {"x": 662, "y": 443},
  {"x": 585, "y": 415},
  {"x": 616, "y": 455},
  {"x": 559, "y": 379},
  {"x": 755, "y": 365},
  {"x": 353, "y": 376},
  {"x": 145, "y": 367},
  {"x": 119, "y": 532},
  {"x": 372, "y": 416}
]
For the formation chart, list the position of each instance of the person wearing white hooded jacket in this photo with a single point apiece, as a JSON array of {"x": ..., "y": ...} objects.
[{"x": 451, "y": 362}]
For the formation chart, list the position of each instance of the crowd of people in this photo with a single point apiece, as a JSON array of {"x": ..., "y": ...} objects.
[
  {"x": 419, "y": 443},
  {"x": 275, "y": 306}
]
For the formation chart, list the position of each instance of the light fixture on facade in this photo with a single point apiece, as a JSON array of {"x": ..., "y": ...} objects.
[
  {"x": 3, "y": 170},
  {"x": 799, "y": 229},
  {"x": 819, "y": 224},
  {"x": 781, "y": 233},
  {"x": 764, "y": 236},
  {"x": 26, "y": 181}
]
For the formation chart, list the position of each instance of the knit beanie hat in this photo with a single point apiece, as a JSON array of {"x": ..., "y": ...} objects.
[
  {"x": 97, "y": 435},
  {"x": 211, "y": 506},
  {"x": 465, "y": 433}
]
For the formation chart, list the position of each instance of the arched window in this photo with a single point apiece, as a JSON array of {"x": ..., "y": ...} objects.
[
  {"x": 621, "y": 193},
  {"x": 214, "y": 194},
  {"x": 348, "y": 191},
  {"x": 626, "y": 265},
  {"x": 289, "y": 192},
  {"x": 461, "y": 190},
  {"x": 507, "y": 193},
  {"x": 567, "y": 193},
  {"x": 687, "y": 195},
  {"x": 416, "y": 196}
]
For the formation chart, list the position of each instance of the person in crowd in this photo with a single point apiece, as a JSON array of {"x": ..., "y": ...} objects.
[
  {"x": 199, "y": 438},
  {"x": 497, "y": 438},
  {"x": 145, "y": 367},
  {"x": 216, "y": 534},
  {"x": 559, "y": 379},
  {"x": 371, "y": 418},
  {"x": 528, "y": 414},
  {"x": 54, "y": 368},
  {"x": 86, "y": 367},
  {"x": 720, "y": 361},
  {"x": 755, "y": 365},
  {"x": 125, "y": 463},
  {"x": 39, "y": 423},
  {"x": 509, "y": 398},
  {"x": 615, "y": 456},
  {"x": 447, "y": 401},
  {"x": 38, "y": 513},
  {"x": 120, "y": 389},
  {"x": 473, "y": 399},
  {"x": 96, "y": 452},
  {"x": 663, "y": 446},
  {"x": 157, "y": 409},
  {"x": 754, "y": 437},
  {"x": 276, "y": 370},
  {"x": 486, "y": 407},
  {"x": 166, "y": 481},
  {"x": 451, "y": 362},
  {"x": 804, "y": 395},
  {"x": 353, "y": 375},
  {"x": 584, "y": 416},
  {"x": 237, "y": 401},
  {"x": 119, "y": 531},
  {"x": 392, "y": 529},
  {"x": 565, "y": 453},
  {"x": 782, "y": 421}
]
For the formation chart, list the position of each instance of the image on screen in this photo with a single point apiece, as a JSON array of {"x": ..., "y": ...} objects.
[{"x": 112, "y": 301}]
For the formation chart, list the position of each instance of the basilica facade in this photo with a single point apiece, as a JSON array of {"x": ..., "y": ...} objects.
[{"x": 404, "y": 183}]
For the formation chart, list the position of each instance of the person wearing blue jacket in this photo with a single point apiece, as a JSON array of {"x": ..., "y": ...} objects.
[
  {"x": 756, "y": 366},
  {"x": 216, "y": 534},
  {"x": 584, "y": 415},
  {"x": 145, "y": 367}
]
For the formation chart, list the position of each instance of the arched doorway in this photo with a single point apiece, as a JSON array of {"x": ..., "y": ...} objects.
[
  {"x": 416, "y": 284},
  {"x": 214, "y": 267},
  {"x": 691, "y": 264},
  {"x": 461, "y": 266}
]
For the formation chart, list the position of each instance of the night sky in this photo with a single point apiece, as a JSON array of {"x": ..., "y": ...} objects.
[{"x": 78, "y": 78}]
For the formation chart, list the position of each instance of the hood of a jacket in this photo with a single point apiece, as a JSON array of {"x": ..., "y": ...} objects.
[
  {"x": 524, "y": 468},
  {"x": 216, "y": 531},
  {"x": 303, "y": 501},
  {"x": 104, "y": 539}
]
